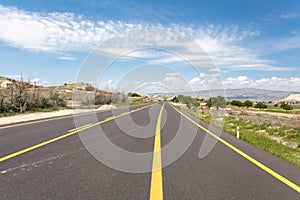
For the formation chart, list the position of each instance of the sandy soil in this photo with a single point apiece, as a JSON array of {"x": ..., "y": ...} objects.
[
  {"x": 42, "y": 115},
  {"x": 276, "y": 119}
]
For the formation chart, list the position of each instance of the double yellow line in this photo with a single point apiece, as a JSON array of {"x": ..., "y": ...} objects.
[
  {"x": 70, "y": 132},
  {"x": 156, "y": 190}
]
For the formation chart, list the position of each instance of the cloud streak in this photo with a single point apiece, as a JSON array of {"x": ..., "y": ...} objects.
[
  {"x": 273, "y": 83},
  {"x": 69, "y": 32},
  {"x": 289, "y": 16},
  {"x": 55, "y": 31}
]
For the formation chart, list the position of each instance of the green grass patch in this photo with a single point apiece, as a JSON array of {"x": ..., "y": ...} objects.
[{"x": 255, "y": 134}]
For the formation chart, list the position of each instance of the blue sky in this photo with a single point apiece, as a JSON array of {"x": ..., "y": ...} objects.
[{"x": 252, "y": 43}]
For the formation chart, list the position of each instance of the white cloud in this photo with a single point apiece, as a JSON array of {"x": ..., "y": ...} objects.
[
  {"x": 37, "y": 81},
  {"x": 67, "y": 32},
  {"x": 206, "y": 81},
  {"x": 289, "y": 16},
  {"x": 67, "y": 58},
  {"x": 54, "y": 31},
  {"x": 274, "y": 83},
  {"x": 279, "y": 44},
  {"x": 107, "y": 86}
]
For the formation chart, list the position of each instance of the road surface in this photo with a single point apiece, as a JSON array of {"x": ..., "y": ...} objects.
[{"x": 48, "y": 160}]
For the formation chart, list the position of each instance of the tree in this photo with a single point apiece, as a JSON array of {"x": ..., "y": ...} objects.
[
  {"x": 175, "y": 99},
  {"x": 236, "y": 103},
  {"x": 188, "y": 100},
  {"x": 101, "y": 99},
  {"x": 133, "y": 94},
  {"x": 218, "y": 102},
  {"x": 260, "y": 105},
  {"x": 248, "y": 103}
]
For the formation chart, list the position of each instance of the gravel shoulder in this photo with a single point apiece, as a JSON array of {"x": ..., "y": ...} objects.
[{"x": 43, "y": 115}]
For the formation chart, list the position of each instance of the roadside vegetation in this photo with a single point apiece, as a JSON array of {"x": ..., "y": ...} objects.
[
  {"x": 23, "y": 97},
  {"x": 20, "y": 100},
  {"x": 275, "y": 132},
  {"x": 133, "y": 94},
  {"x": 189, "y": 101},
  {"x": 91, "y": 99}
]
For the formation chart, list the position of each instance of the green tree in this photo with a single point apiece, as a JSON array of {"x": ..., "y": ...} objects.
[
  {"x": 218, "y": 102},
  {"x": 133, "y": 94},
  {"x": 175, "y": 99},
  {"x": 286, "y": 106},
  {"x": 248, "y": 103},
  {"x": 260, "y": 105},
  {"x": 188, "y": 100},
  {"x": 237, "y": 103}
]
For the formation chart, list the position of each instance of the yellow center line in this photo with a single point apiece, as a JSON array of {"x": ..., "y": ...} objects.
[
  {"x": 249, "y": 158},
  {"x": 79, "y": 128},
  {"x": 156, "y": 191},
  {"x": 71, "y": 132}
]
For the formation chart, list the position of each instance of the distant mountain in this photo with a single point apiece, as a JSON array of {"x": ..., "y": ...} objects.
[{"x": 247, "y": 94}]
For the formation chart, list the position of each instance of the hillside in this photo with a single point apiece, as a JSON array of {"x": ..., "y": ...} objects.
[{"x": 7, "y": 85}]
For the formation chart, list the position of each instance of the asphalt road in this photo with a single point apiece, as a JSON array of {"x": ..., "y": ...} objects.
[{"x": 49, "y": 160}]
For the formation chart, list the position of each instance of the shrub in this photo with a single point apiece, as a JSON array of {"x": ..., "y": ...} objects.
[
  {"x": 188, "y": 100},
  {"x": 133, "y": 94},
  {"x": 57, "y": 99},
  {"x": 101, "y": 99},
  {"x": 45, "y": 102},
  {"x": 4, "y": 105},
  {"x": 248, "y": 103},
  {"x": 175, "y": 99},
  {"x": 286, "y": 106},
  {"x": 89, "y": 88},
  {"x": 218, "y": 102},
  {"x": 237, "y": 103},
  {"x": 119, "y": 97},
  {"x": 260, "y": 105}
]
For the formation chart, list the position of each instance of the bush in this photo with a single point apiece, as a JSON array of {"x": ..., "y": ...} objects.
[
  {"x": 218, "y": 102},
  {"x": 101, "y": 99},
  {"x": 189, "y": 101},
  {"x": 4, "y": 105},
  {"x": 119, "y": 97},
  {"x": 248, "y": 103},
  {"x": 89, "y": 88},
  {"x": 286, "y": 106},
  {"x": 57, "y": 99},
  {"x": 260, "y": 105},
  {"x": 133, "y": 94},
  {"x": 237, "y": 103},
  {"x": 175, "y": 99},
  {"x": 20, "y": 102},
  {"x": 45, "y": 102},
  {"x": 241, "y": 104}
]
